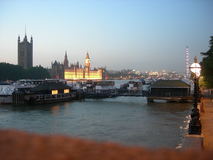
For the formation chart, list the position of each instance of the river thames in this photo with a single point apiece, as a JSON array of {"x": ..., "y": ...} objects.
[{"x": 125, "y": 120}]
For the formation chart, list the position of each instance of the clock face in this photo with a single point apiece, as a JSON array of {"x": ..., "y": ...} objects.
[{"x": 87, "y": 61}]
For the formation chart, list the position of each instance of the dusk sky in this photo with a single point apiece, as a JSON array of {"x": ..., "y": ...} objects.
[{"x": 119, "y": 34}]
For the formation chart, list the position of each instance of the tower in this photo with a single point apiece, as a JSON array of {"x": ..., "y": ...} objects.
[
  {"x": 87, "y": 61},
  {"x": 87, "y": 67},
  {"x": 66, "y": 62},
  {"x": 25, "y": 52},
  {"x": 187, "y": 62}
]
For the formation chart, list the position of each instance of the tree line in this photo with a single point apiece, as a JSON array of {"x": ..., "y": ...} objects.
[
  {"x": 207, "y": 65},
  {"x": 16, "y": 72}
]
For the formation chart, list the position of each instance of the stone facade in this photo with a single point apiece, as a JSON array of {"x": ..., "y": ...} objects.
[
  {"x": 57, "y": 70},
  {"x": 25, "y": 52}
]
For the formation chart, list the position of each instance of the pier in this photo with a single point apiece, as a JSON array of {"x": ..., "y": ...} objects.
[{"x": 170, "y": 90}]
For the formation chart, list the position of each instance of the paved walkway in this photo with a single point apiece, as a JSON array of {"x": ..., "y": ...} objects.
[{"x": 207, "y": 123}]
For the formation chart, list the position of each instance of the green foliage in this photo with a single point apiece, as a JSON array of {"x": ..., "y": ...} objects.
[
  {"x": 16, "y": 72},
  {"x": 207, "y": 65},
  {"x": 11, "y": 72},
  {"x": 37, "y": 72}
]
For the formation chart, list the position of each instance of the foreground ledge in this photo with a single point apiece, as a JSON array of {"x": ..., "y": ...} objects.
[
  {"x": 193, "y": 142},
  {"x": 18, "y": 145}
]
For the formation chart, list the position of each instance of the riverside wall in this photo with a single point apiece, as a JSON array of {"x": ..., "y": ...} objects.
[
  {"x": 205, "y": 140},
  {"x": 18, "y": 145},
  {"x": 206, "y": 116}
]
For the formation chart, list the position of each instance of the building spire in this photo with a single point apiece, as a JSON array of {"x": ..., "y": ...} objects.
[
  {"x": 18, "y": 38},
  {"x": 25, "y": 32},
  {"x": 66, "y": 62}
]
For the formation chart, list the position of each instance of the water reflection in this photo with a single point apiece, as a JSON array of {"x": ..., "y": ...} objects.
[{"x": 55, "y": 109}]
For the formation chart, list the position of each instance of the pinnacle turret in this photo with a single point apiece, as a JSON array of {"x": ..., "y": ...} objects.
[{"x": 66, "y": 62}]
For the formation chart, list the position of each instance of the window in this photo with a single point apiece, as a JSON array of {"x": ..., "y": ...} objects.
[
  {"x": 54, "y": 92},
  {"x": 66, "y": 91}
]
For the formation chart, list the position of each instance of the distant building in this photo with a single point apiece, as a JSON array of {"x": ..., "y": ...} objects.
[
  {"x": 57, "y": 70},
  {"x": 25, "y": 52},
  {"x": 77, "y": 72}
]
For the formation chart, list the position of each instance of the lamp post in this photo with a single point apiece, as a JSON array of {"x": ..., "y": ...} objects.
[{"x": 195, "y": 125}]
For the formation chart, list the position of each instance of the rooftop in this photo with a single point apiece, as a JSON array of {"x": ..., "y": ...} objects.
[
  {"x": 50, "y": 86},
  {"x": 170, "y": 84}
]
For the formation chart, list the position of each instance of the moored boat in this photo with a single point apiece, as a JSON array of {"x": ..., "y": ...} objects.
[{"x": 48, "y": 91}]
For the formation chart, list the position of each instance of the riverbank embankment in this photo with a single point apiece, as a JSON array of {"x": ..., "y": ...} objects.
[
  {"x": 27, "y": 146},
  {"x": 205, "y": 140},
  {"x": 206, "y": 108}
]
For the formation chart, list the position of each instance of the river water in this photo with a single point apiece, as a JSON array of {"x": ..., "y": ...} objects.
[{"x": 126, "y": 120}]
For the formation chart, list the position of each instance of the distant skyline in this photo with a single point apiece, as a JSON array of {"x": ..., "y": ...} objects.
[{"x": 119, "y": 34}]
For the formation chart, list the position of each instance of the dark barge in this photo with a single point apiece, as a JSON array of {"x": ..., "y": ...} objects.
[{"x": 46, "y": 92}]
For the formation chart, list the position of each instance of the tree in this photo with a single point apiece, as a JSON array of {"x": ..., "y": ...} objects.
[
  {"x": 16, "y": 72},
  {"x": 37, "y": 72},
  {"x": 11, "y": 72},
  {"x": 207, "y": 65}
]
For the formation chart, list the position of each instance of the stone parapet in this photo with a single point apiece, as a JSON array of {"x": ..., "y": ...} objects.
[{"x": 18, "y": 145}]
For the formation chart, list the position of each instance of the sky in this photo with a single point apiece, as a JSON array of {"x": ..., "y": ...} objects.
[{"x": 146, "y": 35}]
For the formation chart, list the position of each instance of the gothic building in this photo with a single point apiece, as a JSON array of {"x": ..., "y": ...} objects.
[
  {"x": 78, "y": 72},
  {"x": 57, "y": 70},
  {"x": 25, "y": 52}
]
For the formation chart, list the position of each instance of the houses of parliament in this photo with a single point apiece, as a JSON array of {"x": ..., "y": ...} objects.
[{"x": 76, "y": 71}]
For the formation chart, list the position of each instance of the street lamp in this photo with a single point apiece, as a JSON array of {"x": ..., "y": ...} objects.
[{"x": 195, "y": 125}]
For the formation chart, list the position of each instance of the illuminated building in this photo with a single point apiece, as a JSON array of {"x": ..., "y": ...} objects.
[{"x": 77, "y": 72}]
